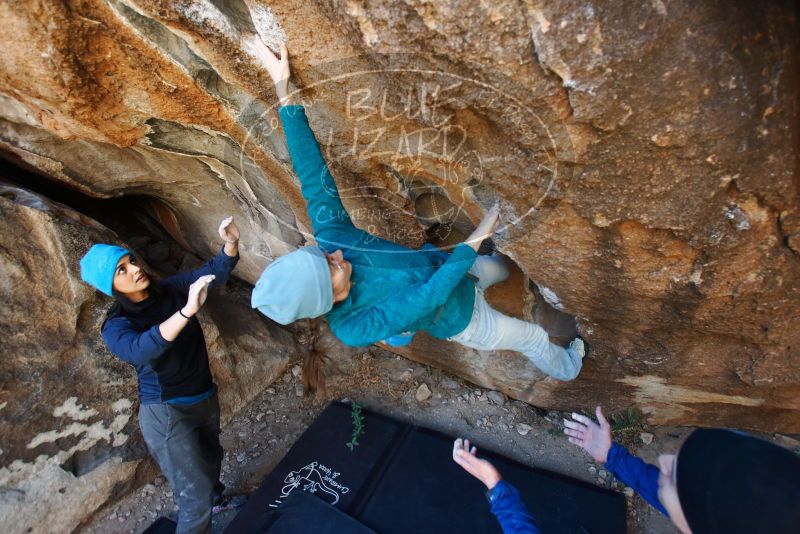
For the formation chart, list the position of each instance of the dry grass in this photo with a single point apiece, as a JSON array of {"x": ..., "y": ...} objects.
[{"x": 366, "y": 378}]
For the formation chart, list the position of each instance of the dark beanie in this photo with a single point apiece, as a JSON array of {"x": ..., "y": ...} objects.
[{"x": 729, "y": 482}]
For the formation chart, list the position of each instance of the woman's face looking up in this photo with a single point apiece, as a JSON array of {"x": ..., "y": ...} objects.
[
  {"x": 129, "y": 278},
  {"x": 341, "y": 270}
]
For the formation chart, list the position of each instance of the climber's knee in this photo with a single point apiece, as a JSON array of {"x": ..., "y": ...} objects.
[{"x": 489, "y": 270}]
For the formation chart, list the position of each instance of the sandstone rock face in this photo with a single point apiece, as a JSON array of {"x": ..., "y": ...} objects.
[
  {"x": 70, "y": 438},
  {"x": 645, "y": 158}
]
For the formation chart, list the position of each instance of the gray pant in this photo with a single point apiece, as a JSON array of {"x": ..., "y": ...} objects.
[
  {"x": 491, "y": 330},
  {"x": 184, "y": 440}
]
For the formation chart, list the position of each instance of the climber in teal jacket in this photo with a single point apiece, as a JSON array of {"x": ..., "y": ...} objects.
[
  {"x": 371, "y": 289},
  {"x": 392, "y": 288}
]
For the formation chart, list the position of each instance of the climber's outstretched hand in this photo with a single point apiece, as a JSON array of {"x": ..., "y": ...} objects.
[{"x": 277, "y": 66}]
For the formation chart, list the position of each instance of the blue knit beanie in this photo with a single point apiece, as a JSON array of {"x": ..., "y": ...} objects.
[
  {"x": 99, "y": 264},
  {"x": 295, "y": 286}
]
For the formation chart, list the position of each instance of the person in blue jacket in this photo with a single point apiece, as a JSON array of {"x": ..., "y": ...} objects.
[
  {"x": 152, "y": 326},
  {"x": 371, "y": 289},
  {"x": 719, "y": 482}
]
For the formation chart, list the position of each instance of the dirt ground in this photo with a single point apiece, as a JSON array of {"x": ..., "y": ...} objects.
[{"x": 260, "y": 435}]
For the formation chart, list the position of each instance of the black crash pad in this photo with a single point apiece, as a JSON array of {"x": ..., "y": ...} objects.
[
  {"x": 401, "y": 478},
  {"x": 162, "y": 525},
  {"x": 303, "y": 512}
]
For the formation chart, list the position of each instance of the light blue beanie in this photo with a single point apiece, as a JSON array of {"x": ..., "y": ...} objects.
[
  {"x": 295, "y": 286},
  {"x": 98, "y": 266}
]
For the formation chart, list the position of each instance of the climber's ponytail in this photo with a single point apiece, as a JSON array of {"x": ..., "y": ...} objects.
[{"x": 315, "y": 360}]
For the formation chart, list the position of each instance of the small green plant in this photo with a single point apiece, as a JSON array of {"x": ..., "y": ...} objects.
[
  {"x": 358, "y": 425},
  {"x": 630, "y": 420}
]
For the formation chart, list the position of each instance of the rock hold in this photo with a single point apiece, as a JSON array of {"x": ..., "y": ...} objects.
[
  {"x": 523, "y": 429},
  {"x": 496, "y": 397},
  {"x": 405, "y": 375},
  {"x": 449, "y": 383},
  {"x": 423, "y": 393}
]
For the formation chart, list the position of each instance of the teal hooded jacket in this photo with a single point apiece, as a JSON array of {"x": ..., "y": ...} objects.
[{"x": 395, "y": 289}]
